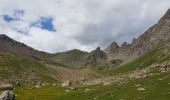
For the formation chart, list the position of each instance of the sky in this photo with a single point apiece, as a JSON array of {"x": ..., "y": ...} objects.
[{"x": 60, "y": 25}]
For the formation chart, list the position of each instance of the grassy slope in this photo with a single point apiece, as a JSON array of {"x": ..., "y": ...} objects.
[
  {"x": 156, "y": 55},
  {"x": 15, "y": 68},
  {"x": 155, "y": 89},
  {"x": 73, "y": 59}
]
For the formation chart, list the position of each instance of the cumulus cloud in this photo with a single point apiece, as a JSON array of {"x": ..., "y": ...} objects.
[{"x": 60, "y": 25}]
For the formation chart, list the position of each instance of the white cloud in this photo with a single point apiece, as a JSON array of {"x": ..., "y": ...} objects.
[{"x": 80, "y": 24}]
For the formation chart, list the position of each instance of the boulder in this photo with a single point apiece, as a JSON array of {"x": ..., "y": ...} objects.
[
  {"x": 7, "y": 95},
  {"x": 141, "y": 89},
  {"x": 66, "y": 84},
  {"x": 6, "y": 86}
]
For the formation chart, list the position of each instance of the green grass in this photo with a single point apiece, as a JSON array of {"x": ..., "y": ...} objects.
[
  {"x": 151, "y": 57},
  {"x": 15, "y": 68},
  {"x": 155, "y": 90}
]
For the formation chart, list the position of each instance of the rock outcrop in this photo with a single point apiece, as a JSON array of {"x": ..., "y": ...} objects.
[
  {"x": 96, "y": 57},
  {"x": 66, "y": 84},
  {"x": 153, "y": 37},
  {"x": 6, "y": 86},
  {"x": 7, "y": 93}
]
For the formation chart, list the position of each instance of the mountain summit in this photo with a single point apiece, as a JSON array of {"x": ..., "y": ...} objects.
[{"x": 153, "y": 37}]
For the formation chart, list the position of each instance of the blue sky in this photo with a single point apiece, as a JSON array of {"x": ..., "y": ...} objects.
[
  {"x": 60, "y": 25},
  {"x": 45, "y": 23},
  {"x": 15, "y": 16}
]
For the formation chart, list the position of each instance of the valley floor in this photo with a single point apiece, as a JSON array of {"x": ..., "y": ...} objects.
[{"x": 155, "y": 87}]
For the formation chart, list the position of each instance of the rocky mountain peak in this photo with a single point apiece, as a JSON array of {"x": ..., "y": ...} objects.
[
  {"x": 98, "y": 53},
  {"x": 114, "y": 45},
  {"x": 98, "y": 49},
  {"x": 4, "y": 37},
  {"x": 154, "y": 36},
  {"x": 167, "y": 14},
  {"x": 124, "y": 45},
  {"x": 112, "y": 48}
]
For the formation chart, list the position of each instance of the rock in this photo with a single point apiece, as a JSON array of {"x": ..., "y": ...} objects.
[
  {"x": 162, "y": 70},
  {"x": 160, "y": 79},
  {"x": 141, "y": 89},
  {"x": 107, "y": 83},
  {"x": 54, "y": 84},
  {"x": 88, "y": 90},
  {"x": 144, "y": 76},
  {"x": 67, "y": 90},
  {"x": 6, "y": 86},
  {"x": 7, "y": 95},
  {"x": 38, "y": 85},
  {"x": 72, "y": 88},
  {"x": 18, "y": 83},
  {"x": 153, "y": 37},
  {"x": 66, "y": 84},
  {"x": 137, "y": 85}
]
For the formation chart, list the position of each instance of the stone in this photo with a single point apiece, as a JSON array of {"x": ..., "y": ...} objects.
[
  {"x": 66, "y": 84},
  {"x": 7, "y": 86},
  {"x": 7, "y": 95},
  {"x": 38, "y": 85},
  {"x": 160, "y": 79},
  {"x": 72, "y": 88},
  {"x": 106, "y": 83},
  {"x": 141, "y": 89},
  {"x": 88, "y": 90},
  {"x": 67, "y": 90},
  {"x": 137, "y": 85},
  {"x": 144, "y": 76},
  {"x": 54, "y": 84}
]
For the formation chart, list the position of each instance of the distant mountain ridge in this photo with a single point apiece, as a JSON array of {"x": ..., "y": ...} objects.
[
  {"x": 112, "y": 56},
  {"x": 8, "y": 45},
  {"x": 154, "y": 36},
  {"x": 72, "y": 59}
]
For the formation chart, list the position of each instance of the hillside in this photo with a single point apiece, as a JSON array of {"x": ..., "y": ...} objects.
[
  {"x": 146, "y": 78},
  {"x": 22, "y": 71},
  {"x": 153, "y": 37},
  {"x": 70, "y": 59}
]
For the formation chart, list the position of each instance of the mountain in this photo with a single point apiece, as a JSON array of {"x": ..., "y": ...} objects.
[
  {"x": 113, "y": 55},
  {"x": 153, "y": 37},
  {"x": 70, "y": 59},
  {"x": 9, "y": 45},
  {"x": 80, "y": 59}
]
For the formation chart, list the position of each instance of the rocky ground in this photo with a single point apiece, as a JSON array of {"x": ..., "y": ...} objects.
[
  {"x": 154, "y": 69},
  {"x": 74, "y": 76},
  {"x": 6, "y": 92}
]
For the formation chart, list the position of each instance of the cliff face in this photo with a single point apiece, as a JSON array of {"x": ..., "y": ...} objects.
[
  {"x": 96, "y": 58},
  {"x": 153, "y": 37}
]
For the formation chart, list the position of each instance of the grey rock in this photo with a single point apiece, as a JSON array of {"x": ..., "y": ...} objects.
[
  {"x": 7, "y": 95},
  {"x": 150, "y": 39},
  {"x": 66, "y": 84},
  {"x": 7, "y": 86}
]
